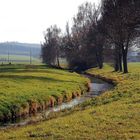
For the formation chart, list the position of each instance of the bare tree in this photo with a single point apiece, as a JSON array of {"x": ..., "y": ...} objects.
[
  {"x": 51, "y": 46},
  {"x": 120, "y": 19},
  {"x": 83, "y": 45}
]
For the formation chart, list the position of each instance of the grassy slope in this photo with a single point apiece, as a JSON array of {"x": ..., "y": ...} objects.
[
  {"x": 26, "y": 89},
  {"x": 114, "y": 115}
]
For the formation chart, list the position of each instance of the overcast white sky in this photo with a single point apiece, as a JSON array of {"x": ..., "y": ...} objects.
[{"x": 25, "y": 20}]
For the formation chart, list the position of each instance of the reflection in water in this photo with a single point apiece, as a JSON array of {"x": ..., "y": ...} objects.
[{"x": 98, "y": 86}]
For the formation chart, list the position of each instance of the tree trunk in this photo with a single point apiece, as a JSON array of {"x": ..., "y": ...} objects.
[
  {"x": 58, "y": 63},
  {"x": 116, "y": 66},
  {"x": 99, "y": 57},
  {"x": 57, "y": 57},
  {"x": 100, "y": 61},
  {"x": 101, "y": 66},
  {"x": 120, "y": 61},
  {"x": 116, "y": 63},
  {"x": 125, "y": 67}
]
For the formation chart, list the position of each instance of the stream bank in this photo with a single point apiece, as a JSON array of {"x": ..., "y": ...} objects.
[{"x": 97, "y": 87}]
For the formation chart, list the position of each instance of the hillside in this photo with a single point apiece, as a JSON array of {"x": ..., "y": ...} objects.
[{"x": 16, "y": 48}]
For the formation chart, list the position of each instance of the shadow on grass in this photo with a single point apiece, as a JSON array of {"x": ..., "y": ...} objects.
[
  {"x": 46, "y": 79},
  {"x": 10, "y": 68},
  {"x": 30, "y": 68}
]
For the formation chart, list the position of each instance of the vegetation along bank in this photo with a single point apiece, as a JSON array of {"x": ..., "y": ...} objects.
[
  {"x": 26, "y": 90},
  {"x": 113, "y": 115}
]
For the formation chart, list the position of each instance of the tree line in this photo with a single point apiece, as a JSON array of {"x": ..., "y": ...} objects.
[{"x": 99, "y": 34}]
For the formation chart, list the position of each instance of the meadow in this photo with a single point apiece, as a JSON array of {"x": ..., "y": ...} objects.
[
  {"x": 18, "y": 59},
  {"x": 28, "y": 89},
  {"x": 113, "y": 115}
]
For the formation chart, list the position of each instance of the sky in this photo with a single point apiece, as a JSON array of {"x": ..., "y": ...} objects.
[{"x": 26, "y": 20}]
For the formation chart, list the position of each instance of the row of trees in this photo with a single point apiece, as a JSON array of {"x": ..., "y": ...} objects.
[
  {"x": 121, "y": 19},
  {"x": 97, "y": 33}
]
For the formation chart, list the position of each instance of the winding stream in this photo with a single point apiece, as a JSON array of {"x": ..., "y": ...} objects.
[{"x": 98, "y": 86}]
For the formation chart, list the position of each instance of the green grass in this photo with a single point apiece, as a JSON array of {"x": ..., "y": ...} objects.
[
  {"x": 19, "y": 59},
  {"x": 27, "y": 89},
  {"x": 113, "y": 115}
]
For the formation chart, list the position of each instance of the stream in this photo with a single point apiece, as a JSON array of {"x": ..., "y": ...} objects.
[{"x": 97, "y": 87}]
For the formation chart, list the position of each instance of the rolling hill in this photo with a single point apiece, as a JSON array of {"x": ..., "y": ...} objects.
[
  {"x": 15, "y": 48},
  {"x": 19, "y": 52}
]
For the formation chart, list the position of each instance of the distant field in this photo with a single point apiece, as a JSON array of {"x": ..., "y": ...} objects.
[
  {"x": 26, "y": 89},
  {"x": 24, "y": 59},
  {"x": 19, "y": 59}
]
